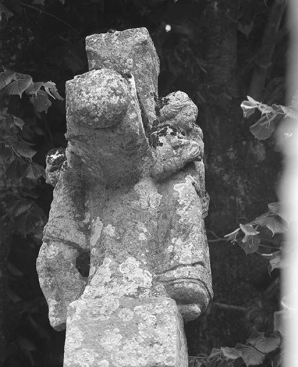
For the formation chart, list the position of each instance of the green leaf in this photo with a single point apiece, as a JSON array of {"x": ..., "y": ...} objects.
[
  {"x": 272, "y": 222},
  {"x": 263, "y": 128},
  {"x": 34, "y": 88},
  {"x": 289, "y": 112},
  {"x": 19, "y": 207},
  {"x": 250, "y": 355},
  {"x": 264, "y": 344},
  {"x": 5, "y": 152},
  {"x": 51, "y": 89},
  {"x": 18, "y": 86},
  {"x": 195, "y": 361},
  {"x": 248, "y": 230},
  {"x": 29, "y": 222},
  {"x": 23, "y": 149},
  {"x": 251, "y": 244},
  {"x": 18, "y": 122},
  {"x": 231, "y": 353},
  {"x": 41, "y": 102},
  {"x": 274, "y": 208},
  {"x": 275, "y": 261},
  {"x": 251, "y": 241},
  {"x": 34, "y": 171},
  {"x": 253, "y": 101},
  {"x": 265, "y": 109},
  {"x": 274, "y": 225},
  {"x": 15, "y": 170},
  {"x": 279, "y": 209},
  {"x": 248, "y": 108},
  {"x": 215, "y": 353},
  {"x": 259, "y": 220},
  {"x": 233, "y": 235},
  {"x": 6, "y": 77}
]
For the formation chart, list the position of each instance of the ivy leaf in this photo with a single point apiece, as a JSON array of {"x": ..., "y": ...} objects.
[
  {"x": 15, "y": 170},
  {"x": 274, "y": 225},
  {"x": 18, "y": 86},
  {"x": 19, "y": 207},
  {"x": 30, "y": 221},
  {"x": 248, "y": 108},
  {"x": 265, "y": 109},
  {"x": 34, "y": 171},
  {"x": 194, "y": 362},
  {"x": 259, "y": 220},
  {"x": 214, "y": 353},
  {"x": 41, "y": 102},
  {"x": 34, "y": 88},
  {"x": 263, "y": 128},
  {"x": 5, "y": 152},
  {"x": 271, "y": 222},
  {"x": 18, "y": 122},
  {"x": 278, "y": 209},
  {"x": 232, "y": 236},
  {"x": 23, "y": 149},
  {"x": 250, "y": 355},
  {"x": 251, "y": 241},
  {"x": 231, "y": 353},
  {"x": 264, "y": 344},
  {"x": 275, "y": 261},
  {"x": 251, "y": 244},
  {"x": 253, "y": 101},
  {"x": 6, "y": 76},
  {"x": 289, "y": 112},
  {"x": 274, "y": 208},
  {"x": 248, "y": 230},
  {"x": 51, "y": 89}
]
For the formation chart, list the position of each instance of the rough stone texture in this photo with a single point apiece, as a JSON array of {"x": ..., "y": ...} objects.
[
  {"x": 128, "y": 52},
  {"x": 131, "y": 195}
]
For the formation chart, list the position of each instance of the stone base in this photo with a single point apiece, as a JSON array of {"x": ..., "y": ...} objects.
[{"x": 132, "y": 332}]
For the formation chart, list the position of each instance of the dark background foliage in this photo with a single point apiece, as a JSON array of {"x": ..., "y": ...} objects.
[{"x": 216, "y": 51}]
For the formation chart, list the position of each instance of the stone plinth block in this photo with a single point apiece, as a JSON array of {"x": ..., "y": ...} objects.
[{"x": 137, "y": 333}]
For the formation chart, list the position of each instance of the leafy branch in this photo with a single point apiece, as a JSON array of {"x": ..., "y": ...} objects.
[
  {"x": 22, "y": 174},
  {"x": 271, "y": 116},
  {"x": 252, "y": 353}
]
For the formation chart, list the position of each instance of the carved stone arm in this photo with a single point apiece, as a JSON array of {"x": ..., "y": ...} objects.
[{"x": 65, "y": 240}]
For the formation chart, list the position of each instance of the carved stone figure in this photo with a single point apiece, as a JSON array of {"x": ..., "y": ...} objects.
[{"x": 130, "y": 195}]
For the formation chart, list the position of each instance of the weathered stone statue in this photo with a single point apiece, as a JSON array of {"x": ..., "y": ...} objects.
[{"x": 131, "y": 195}]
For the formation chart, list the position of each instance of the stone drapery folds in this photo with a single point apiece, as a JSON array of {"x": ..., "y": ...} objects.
[{"x": 130, "y": 195}]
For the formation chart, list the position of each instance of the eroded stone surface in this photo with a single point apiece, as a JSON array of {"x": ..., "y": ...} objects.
[
  {"x": 131, "y": 194},
  {"x": 128, "y": 52}
]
